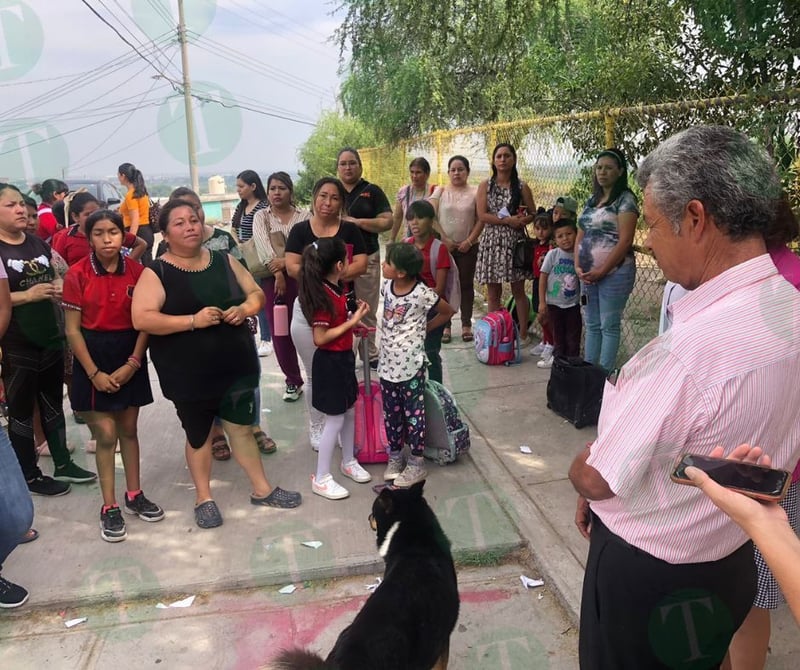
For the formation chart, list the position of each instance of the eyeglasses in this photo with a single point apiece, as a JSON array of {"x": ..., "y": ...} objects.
[{"x": 348, "y": 163}]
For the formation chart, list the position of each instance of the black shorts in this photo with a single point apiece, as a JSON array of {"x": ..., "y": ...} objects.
[
  {"x": 334, "y": 387},
  {"x": 197, "y": 416}
]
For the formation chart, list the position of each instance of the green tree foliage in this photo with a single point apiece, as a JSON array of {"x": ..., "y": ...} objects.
[
  {"x": 318, "y": 153},
  {"x": 414, "y": 67}
]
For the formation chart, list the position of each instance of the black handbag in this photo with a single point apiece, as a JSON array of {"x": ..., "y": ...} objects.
[{"x": 523, "y": 253}]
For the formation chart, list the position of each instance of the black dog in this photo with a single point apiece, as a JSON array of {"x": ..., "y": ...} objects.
[{"x": 406, "y": 624}]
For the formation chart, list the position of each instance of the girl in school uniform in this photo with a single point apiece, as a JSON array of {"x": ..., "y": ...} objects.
[
  {"x": 110, "y": 381},
  {"x": 324, "y": 305}
]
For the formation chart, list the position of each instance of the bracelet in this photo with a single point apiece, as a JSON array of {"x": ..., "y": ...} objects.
[
  {"x": 133, "y": 362},
  {"x": 132, "y": 365},
  {"x": 192, "y": 324},
  {"x": 93, "y": 375}
]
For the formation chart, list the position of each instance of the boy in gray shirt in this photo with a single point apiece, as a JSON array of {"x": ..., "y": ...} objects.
[{"x": 559, "y": 294}]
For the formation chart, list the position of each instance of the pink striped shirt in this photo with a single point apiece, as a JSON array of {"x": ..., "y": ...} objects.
[{"x": 726, "y": 373}]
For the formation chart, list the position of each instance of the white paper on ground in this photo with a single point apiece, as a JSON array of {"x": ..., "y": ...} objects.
[
  {"x": 314, "y": 544},
  {"x": 186, "y": 602},
  {"x": 290, "y": 588},
  {"x": 529, "y": 583},
  {"x": 75, "y": 622},
  {"x": 525, "y": 449},
  {"x": 371, "y": 587}
]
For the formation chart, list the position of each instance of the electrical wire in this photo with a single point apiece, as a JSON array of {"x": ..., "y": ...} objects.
[
  {"x": 253, "y": 18},
  {"x": 79, "y": 165},
  {"x": 132, "y": 46},
  {"x": 254, "y": 65},
  {"x": 112, "y": 67},
  {"x": 127, "y": 118}
]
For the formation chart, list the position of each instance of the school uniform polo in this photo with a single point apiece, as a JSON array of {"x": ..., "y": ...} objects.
[{"x": 102, "y": 297}]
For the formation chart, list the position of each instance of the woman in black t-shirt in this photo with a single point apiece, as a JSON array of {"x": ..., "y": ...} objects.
[
  {"x": 327, "y": 203},
  {"x": 33, "y": 348}
]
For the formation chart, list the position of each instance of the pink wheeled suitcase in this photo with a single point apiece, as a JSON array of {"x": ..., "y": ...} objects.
[{"x": 371, "y": 443}]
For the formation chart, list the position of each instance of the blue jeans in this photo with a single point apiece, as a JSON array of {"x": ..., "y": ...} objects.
[
  {"x": 605, "y": 302},
  {"x": 263, "y": 327},
  {"x": 16, "y": 506}
]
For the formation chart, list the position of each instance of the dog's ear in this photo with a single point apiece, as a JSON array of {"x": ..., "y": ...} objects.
[{"x": 416, "y": 489}]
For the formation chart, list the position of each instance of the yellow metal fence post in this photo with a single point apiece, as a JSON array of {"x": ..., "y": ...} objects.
[{"x": 609, "y": 124}]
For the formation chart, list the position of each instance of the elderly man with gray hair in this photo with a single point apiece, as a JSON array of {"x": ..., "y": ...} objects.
[{"x": 669, "y": 578}]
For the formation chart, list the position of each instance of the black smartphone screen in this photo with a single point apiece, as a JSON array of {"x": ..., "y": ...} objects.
[{"x": 735, "y": 474}]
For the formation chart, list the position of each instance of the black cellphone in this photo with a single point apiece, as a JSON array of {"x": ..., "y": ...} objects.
[{"x": 755, "y": 481}]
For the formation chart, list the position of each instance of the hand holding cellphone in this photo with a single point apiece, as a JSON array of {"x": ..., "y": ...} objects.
[{"x": 754, "y": 481}]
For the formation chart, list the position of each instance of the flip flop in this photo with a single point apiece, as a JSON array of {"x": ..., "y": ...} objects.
[
  {"x": 466, "y": 335},
  {"x": 446, "y": 336}
]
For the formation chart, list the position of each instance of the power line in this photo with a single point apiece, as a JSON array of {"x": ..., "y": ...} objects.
[
  {"x": 254, "y": 65},
  {"x": 122, "y": 37},
  {"x": 63, "y": 134},
  {"x": 181, "y": 117},
  {"x": 127, "y": 118},
  {"x": 48, "y": 97}
]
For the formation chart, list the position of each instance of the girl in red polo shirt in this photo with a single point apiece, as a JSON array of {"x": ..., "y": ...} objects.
[
  {"x": 324, "y": 306},
  {"x": 420, "y": 216},
  {"x": 110, "y": 380}
]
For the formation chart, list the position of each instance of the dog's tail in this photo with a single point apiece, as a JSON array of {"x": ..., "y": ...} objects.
[{"x": 298, "y": 659}]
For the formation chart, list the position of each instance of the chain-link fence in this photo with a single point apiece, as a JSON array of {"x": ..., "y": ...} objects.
[{"x": 555, "y": 154}]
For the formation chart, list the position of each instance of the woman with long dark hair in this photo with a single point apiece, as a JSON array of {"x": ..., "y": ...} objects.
[
  {"x": 280, "y": 217},
  {"x": 135, "y": 208},
  {"x": 458, "y": 219},
  {"x": 505, "y": 206},
  {"x": 327, "y": 205},
  {"x": 253, "y": 200},
  {"x": 604, "y": 256}
]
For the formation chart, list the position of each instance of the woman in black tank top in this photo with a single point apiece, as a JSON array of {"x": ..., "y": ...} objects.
[{"x": 193, "y": 302}]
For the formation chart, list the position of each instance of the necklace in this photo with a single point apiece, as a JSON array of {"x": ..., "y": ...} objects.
[{"x": 184, "y": 268}]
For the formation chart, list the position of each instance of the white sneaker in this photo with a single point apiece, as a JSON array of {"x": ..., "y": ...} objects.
[
  {"x": 547, "y": 351},
  {"x": 545, "y": 363},
  {"x": 265, "y": 349},
  {"x": 354, "y": 471},
  {"x": 328, "y": 488},
  {"x": 538, "y": 349}
]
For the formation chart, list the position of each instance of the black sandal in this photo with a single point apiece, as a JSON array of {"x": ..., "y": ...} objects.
[
  {"x": 29, "y": 536},
  {"x": 279, "y": 498},
  {"x": 220, "y": 449},
  {"x": 207, "y": 515}
]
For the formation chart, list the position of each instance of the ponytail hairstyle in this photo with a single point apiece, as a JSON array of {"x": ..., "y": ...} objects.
[
  {"x": 48, "y": 188},
  {"x": 319, "y": 260},
  {"x": 251, "y": 178},
  {"x": 134, "y": 176},
  {"x": 59, "y": 212},
  {"x": 10, "y": 187},
  {"x": 516, "y": 188},
  {"x": 103, "y": 215},
  {"x": 406, "y": 258},
  {"x": 784, "y": 227}
]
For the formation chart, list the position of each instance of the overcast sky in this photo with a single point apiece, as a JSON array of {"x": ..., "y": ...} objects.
[{"x": 76, "y": 98}]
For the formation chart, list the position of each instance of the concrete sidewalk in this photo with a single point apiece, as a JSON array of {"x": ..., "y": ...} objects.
[{"x": 490, "y": 503}]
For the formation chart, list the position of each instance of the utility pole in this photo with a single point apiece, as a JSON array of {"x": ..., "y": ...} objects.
[{"x": 187, "y": 100}]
